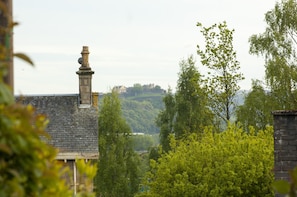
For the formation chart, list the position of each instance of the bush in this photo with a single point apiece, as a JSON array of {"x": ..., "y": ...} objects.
[
  {"x": 27, "y": 165},
  {"x": 231, "y": 163}
]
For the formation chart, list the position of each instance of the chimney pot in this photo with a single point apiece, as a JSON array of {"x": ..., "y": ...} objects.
[{"x": 85, "y": 78}]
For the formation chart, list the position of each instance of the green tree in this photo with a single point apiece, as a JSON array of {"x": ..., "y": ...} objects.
[
  {"x": 118, "y": 163},
  {"x": 137, "y": 89},
  {"x": 27, "y": 164},
  {"x": 157, "y": 88},
  {"x": 165, "y": 120},
  {"x": 278, "y": 46},
  {"x": 229, "y": 163},
  {"x": 140, "y": 115},
  {"x": 192, "y": 112},
  {"x": 219, "y": 57},
  {"x": 143, "y": 142},
  {"x": 187, "y": 110},
  {"x": 257, "y": 107}
]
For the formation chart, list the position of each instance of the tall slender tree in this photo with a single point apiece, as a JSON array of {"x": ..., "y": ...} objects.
[
  {"x": 219, "y": 57},
  {"x": 187, "y": 110},
  {"x": 117, "y": 170},
  {"x": 278, "y": 46},
  {"x": 192, "y": 112},
  {"x": 165, "y": 120}
]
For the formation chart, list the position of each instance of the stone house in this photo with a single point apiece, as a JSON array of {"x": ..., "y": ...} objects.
[
  {"x": 120, "y": 89},
  {"x": 73, "y": 121}
]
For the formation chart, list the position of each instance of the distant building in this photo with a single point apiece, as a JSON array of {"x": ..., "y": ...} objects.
[
  {"x": 137, "y": 133},
  {"x": 73, "y": 121},
  {"x": 149, "y": 86},
  {"x": 120, "y": 89}
]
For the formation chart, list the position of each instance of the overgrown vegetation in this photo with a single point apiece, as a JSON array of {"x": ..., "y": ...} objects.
[
  {"x": 140, "y": 114},
  {"x": 230, "y": 163},
  {"x": 118, "y": 172}
]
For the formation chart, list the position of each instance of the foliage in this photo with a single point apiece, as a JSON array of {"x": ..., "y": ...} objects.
[
  {"x": 143, "y": 142},
  {"x": 138, "y": 90},
  {"x": 154, "y": 98},
  {"x": 230, "y": 163},
  {"x": 278, "y": 45},
  {"x": 191, "y": 101},
  {"x": 155, "y": 152},
  {"x": 219, "y": 57},
  {"x": 187, "y": 110},
  {"x": 140, "y": 115},
  {"x": 144, "y": 166},
  {"x": 27, "y": 164},
  {"x": 86, "y": 169},
  {"x": 165, "y": 120},
  {"x": 140, "y": 111},
  {"x": 256, "y": 110},
  {"x": 118, "y": 163},
  {"x": 287, "y": 187}
]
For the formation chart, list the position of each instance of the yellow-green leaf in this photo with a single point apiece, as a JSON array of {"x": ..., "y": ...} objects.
[
  {"x": 4, "y": 148},
  {"x": 23, "y": 57},
  {"x": 281, "y": 186},
  {"x": 6, "y": 96}
]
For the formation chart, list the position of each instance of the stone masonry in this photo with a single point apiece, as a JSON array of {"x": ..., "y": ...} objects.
[
  {"x": 85, "y": 78},
  {"x": 285, "y": 143}
]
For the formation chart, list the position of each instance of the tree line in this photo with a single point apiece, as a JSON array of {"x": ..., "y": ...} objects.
[
  {"x": 196, "y": 120},
  {"x": 202, "y": 152}
]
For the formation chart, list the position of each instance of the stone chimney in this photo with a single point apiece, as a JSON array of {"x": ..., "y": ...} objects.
[
  {"x": 285, "y": 143},
  {"x": 85, "y": 79},
  {"x": 95, "y": 96}
]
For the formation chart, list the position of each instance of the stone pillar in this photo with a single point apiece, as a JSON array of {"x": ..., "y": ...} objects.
[
  {"x": 6, "y": 39},
  {"x": 85, "y": 79},
  {"x": 285, "y": 142}
]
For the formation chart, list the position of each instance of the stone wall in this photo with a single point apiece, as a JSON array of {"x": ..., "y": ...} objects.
[{"x": 285, "y": 143}]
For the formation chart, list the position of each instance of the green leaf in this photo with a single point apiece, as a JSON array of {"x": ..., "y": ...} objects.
[
  {"x": 24, "y": 57},
  {"x": 6, "y": 96},
  {"x": 281, "y": 186},
  {"x": 4, "y": 148}
]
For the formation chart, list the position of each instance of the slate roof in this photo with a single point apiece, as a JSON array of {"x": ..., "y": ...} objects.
[{"x": 73, "y": 129}]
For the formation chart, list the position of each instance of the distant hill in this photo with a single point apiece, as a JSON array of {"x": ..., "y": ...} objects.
[{"x": 141, "y": 105}]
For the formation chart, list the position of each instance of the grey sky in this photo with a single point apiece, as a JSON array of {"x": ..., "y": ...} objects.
[{"x": 130, "y": 41}]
